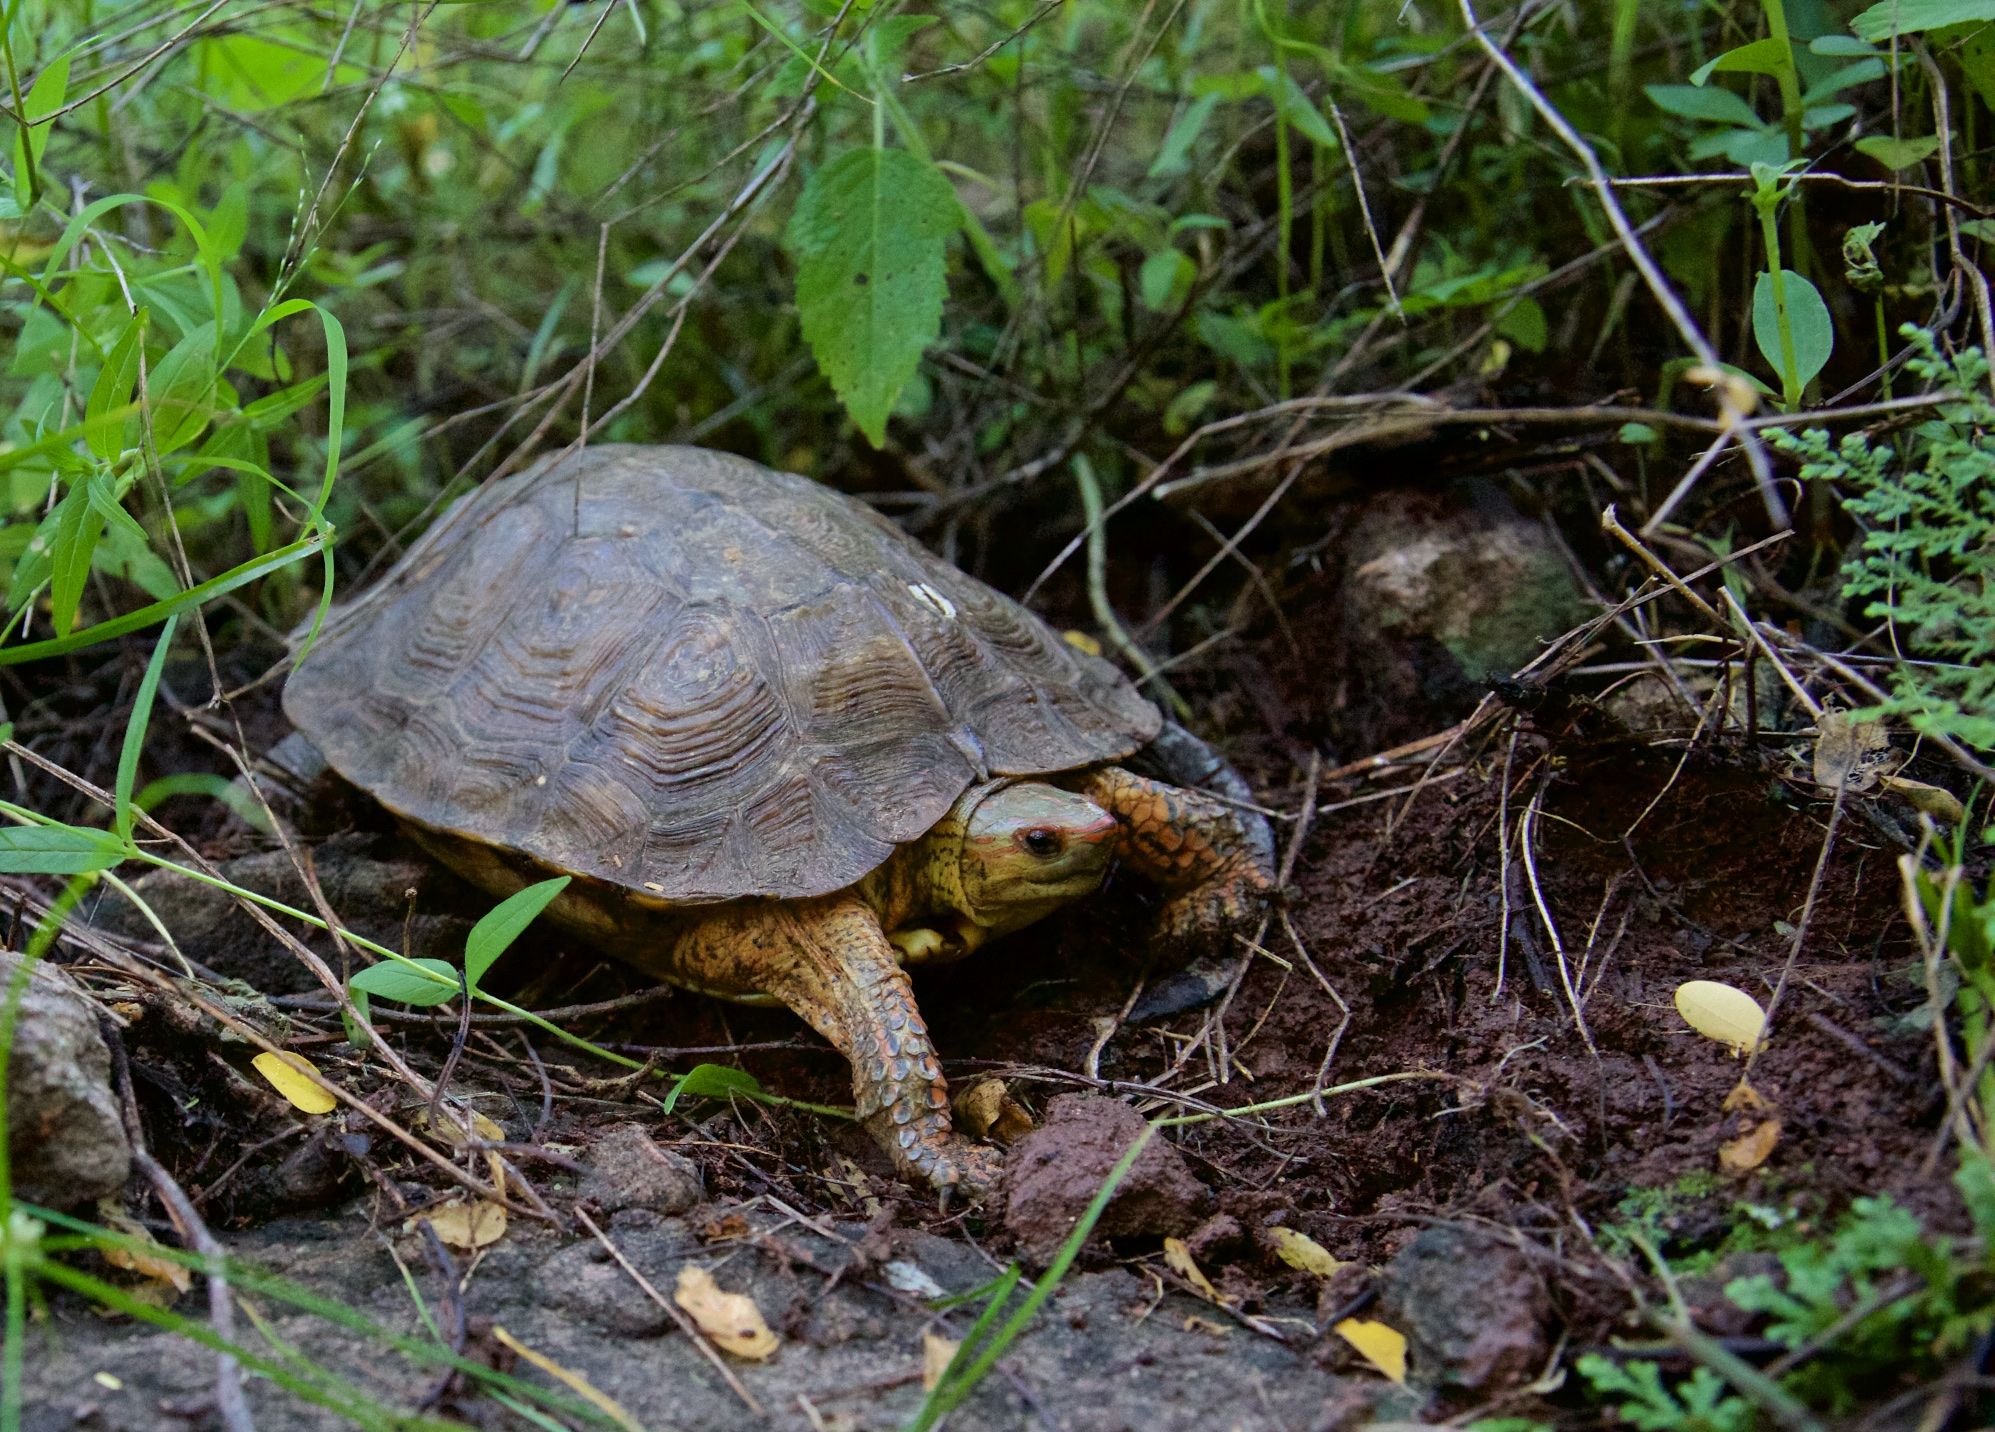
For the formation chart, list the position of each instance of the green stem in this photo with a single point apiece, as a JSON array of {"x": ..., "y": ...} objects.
[{"x": 1766, "y": 201}]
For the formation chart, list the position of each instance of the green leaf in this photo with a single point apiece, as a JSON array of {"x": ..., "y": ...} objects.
[
  {"x": 1913, "y": 17},
  {"x": 1761, "y": 57},
  {"x": 128, "y": 755},
  {"x": 711, "y": 1081},
  {"x": 182, "y": 390},
  {"x": 73, "y": 528},
  {"x": 398, "y": 982},
  {"x": 502, "y": 924},
  {"x": 1164, "y": 280},
  {"x": 1719, "y": 106},
  {"x": 1173, "y": 154},
  {"x": 1840, "y": 46},
  {"x": 1896, "y": 154},
  {"x": 107, "y": 416},
  {"x": 43, "y": 99},
  {"x": 1526, "y": 325},
  {"x": 869, "y": 235},
  {"x": 1297, "y": 108},
  {"x": 57, "y": 850},
  {"x": 1808, "y": 322}
]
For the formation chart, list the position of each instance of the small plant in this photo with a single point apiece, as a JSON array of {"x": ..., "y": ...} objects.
[
  {"x": 1926, "y": 560},
  {"x": 1698, "y": 1403}
]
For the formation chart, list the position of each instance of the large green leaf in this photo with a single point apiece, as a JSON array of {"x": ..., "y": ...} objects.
[
  {"x": 406, "y": 986},
  {"x": 869, "y": 235},
  {"x": 1808, "y": 323},
  {"x": 57, "y": 850},
  {"x": 502, "y": 924},
  {"x": 108, "y": 415},
  {"x": 1913, "y": 17}
]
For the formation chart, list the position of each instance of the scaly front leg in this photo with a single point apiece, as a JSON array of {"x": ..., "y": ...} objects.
[
  {"x": 828, "y": 960},
  {"x": 1197, "y": 850}
]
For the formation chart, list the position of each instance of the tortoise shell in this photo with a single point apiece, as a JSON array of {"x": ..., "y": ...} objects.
[{"x": 680, "y": 672}]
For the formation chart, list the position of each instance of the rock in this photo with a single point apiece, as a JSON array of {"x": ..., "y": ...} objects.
[
  {"x": 629, "y": 1170},
  {"x": 1442, "y": 594},
  {"x": 66, "y": 1139},
  {"x": 1056, "y": 1170},
  {"x": 586, "y": 1282},
  {"x": 1474, "y": 1310}
]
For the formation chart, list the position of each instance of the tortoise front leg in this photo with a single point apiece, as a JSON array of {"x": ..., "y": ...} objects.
[
  {"x": 1215, "y": 875},
  {"x": 828, "y": 960}
]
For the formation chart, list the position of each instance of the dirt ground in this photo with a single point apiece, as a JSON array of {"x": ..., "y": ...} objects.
[{"x": 1543, "y": 1079}]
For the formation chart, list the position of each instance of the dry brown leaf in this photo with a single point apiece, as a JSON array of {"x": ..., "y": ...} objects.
[
  {"x": 1383, "y": 1346},
  {"x": 1195, "y": 1324},
  {"x": 1722, "y": 1012},
  {"x": 1299, "y": 1250},
  {"x": 164, "y": 1272},
  {"x": 1849, "y": 754},
  {"x": 1178, "y": 1259},
  {"x": 290, "y": 1075},
  {"x": 468, "y": 1226},
  {"x": 731, "y": 1319},
  {"x": 1936, "y": 801},
  {"x": 986, "y": 1110},
  {"x": 936, "y": 1351},
  {"x": 1750, "y": 1149}
]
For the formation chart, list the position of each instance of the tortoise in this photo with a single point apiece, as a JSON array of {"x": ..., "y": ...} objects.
[{"x": 783, "y": 750}]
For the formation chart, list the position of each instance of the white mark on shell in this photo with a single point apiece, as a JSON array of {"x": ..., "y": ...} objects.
[{"x": 933, "y": 600}]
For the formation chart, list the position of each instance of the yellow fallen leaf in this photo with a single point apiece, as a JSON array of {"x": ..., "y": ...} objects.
[
  {"x": 573, "y": 1381},
  {"x": 1299, "y": 1250},
  {"x": 1178, "y": 1259},
  {"x": 1936, "y": 801},
  {"x": 1750, "y": 1149},
  {"x": 1382, "y": 1346},
  {"x": 290, "y": 1075},
  {"x": 468, "y": 1226},
  {"x": 1722, "y": 1012},
  {"x": 164, "y": 1272},
  {"x": 1083, "y": 642},
  {"x": 731, "y": 1319},
  {"x": 936, "y": 1351},
  {"x": 486, "y": 1130}
]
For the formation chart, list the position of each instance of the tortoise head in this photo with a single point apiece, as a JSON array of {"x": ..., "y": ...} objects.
[{"x": 1029, "y": 848}]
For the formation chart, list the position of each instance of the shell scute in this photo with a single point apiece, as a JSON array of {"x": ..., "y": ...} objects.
[{"x": 686, "y": 674}]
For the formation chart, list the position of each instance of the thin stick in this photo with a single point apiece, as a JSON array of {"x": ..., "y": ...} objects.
[
  {"x": 1527, "y": 830},
  {"x": 676, "y": 1313}
]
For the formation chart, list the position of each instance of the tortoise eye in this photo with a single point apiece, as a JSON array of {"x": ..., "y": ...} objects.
[{"x": 1041, "y": 841}]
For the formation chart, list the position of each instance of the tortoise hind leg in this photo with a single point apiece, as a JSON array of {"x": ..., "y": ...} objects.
[{"x": 828, "y": 960}]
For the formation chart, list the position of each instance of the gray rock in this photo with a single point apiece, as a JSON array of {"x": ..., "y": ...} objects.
[
  {"x": 629, "y": 1170},
  {"x": 1442, "y": 594},
  {"x": 1055, "y": 1171},
  {"x": 1474, "y": 1310},
  {"x": 65, "y": 1137}
]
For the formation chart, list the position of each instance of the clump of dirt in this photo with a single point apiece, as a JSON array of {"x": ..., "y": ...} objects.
[{"x": 1055, "y": 1171}]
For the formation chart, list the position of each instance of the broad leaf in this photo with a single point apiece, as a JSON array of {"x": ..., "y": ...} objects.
[
  {"x": 1896, "y": 154},
  {"x": 1808, "y": 323},
  {"x": 869, "y": 235},
  {"x": 398, "y": 982},
  {"x": 502, "y": 924},
  {"x": 107, "y": 418},
  {"x": 1761, "y": 57},
  {"x": 1913, "y": 17},
  {"x": 57, "y": 850},
  {"x": 1719, "y": 106},
  {"x": 40, "y": 103}
]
